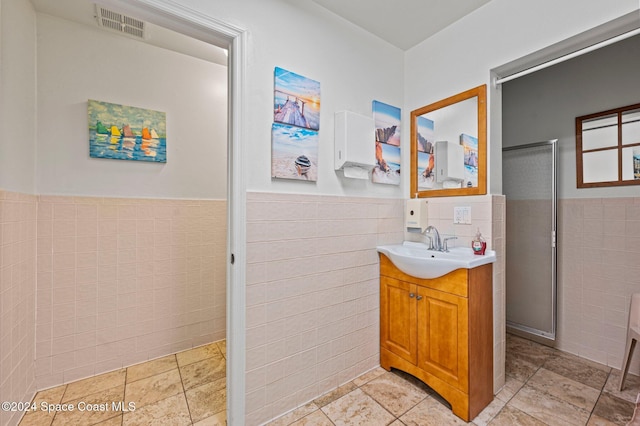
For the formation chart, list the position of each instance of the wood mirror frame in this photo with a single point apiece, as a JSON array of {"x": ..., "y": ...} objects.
[{"x": 481, "y": 93}]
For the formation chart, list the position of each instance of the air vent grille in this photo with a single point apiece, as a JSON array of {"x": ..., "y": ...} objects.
[{"x": 120, "y": 22}]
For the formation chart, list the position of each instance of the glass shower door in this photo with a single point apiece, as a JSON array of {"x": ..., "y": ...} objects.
[{"x": 529, "y": 184}]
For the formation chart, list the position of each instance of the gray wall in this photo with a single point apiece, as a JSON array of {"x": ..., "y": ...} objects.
[{"x": 544, "y": 105}]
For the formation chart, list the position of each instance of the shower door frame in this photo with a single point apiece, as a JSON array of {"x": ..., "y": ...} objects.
[{"x": 542, "y": 336}]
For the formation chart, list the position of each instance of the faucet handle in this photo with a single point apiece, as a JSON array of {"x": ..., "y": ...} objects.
[{"x": 444, "y": 242}]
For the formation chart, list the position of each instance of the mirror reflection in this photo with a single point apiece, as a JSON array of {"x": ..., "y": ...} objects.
[
  {"x": 454, "y": 138},
  {"x": 448, "y": 146}
]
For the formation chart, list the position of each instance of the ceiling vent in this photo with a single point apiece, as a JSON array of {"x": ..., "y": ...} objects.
[{"x": 121, "y": 23}]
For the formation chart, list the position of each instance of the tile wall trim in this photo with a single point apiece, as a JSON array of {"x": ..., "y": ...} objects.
[
  {"x": 17, "y": 299},
  {"x": 125, "y": 280}
]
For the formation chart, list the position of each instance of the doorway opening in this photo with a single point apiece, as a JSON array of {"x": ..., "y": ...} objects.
[
  {"x": 211, "y": 30},
  {"x": 518, "y": 122}
]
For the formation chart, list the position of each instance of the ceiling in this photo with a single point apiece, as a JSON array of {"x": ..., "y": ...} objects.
[
  {"x": 84, "y": 12},
  {"x": 403, "y": 23}
]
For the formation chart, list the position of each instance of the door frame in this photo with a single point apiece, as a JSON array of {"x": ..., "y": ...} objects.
[
  {"x": 545, "y": 337},
  {"x": 190, "y": 22}
]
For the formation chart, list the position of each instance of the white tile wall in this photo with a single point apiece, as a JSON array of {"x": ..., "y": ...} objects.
[
  {"x": 487, "y": 214},
  {"x": 440, "y": 213},
  {"x": 122, "y": 281},
  {"x": 17, "y": 300},
  {"x": 599, "y": 248},
  {"x": 312, "y": 294},
  {"x": 498, "y": 243},
  {"x": 313, "y": 289}
]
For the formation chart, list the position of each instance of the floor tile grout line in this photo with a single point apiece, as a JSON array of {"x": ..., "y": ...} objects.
[
  {"x": 601, "y": 390},
  {"x": 124, "y": 395},
  {"x": 126, "y": 372},
  {"x": 524, "y": 383},
  {"x": 184, "y": 391},
  {"x": 378, "y": 402},
  {"x": 66, "y": 388},
  {"x": 395, "y": 418},
  {"x": 592, "y": 413},
  {"x": 528, "y": 381},
  {"x": 550, "y": 395}
]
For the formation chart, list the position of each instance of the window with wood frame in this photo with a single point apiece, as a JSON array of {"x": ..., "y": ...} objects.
[{"x": 608, "y": 148}]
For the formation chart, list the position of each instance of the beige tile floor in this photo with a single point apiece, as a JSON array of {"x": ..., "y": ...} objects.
[
  {"x": 188, "y": 388},
  {"x": 544, "y": 387}
]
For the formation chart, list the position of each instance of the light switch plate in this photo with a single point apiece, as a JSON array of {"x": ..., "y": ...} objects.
[{"x": 462, "y": 215}]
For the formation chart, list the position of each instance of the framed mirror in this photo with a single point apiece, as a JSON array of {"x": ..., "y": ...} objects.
[
  {"x": 608, "y": 148},
  {"x": 449, "y": 146}
]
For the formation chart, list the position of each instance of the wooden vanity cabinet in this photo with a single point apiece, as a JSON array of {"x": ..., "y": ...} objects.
[{"x": 440, "y": 331}]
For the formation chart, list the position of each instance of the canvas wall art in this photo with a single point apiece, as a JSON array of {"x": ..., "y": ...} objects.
[
  {"x": 426, "y": 155},
  {"x": 123, "y": 132},
  {"x": 296, "y": 100},
  {"x": 296, "y": 121},
  {"x": 386, "y": 120},
  {"x": 470, "y": 145},
  {"x": 294, "y": 152}
]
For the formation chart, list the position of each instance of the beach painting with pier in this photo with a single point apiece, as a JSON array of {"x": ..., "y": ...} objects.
[
  {"x": 126, "y": 133},
  {"x": 296, "y": 100},
  {"x": 386, "y": 120},
  {"x": 296, "y": 122}
]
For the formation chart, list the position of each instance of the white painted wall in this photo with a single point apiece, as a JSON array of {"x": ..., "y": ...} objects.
[
  {"x": 594, "y": 286},
  {"x": 353, "y": 68},
  {"x": 544, "y": 105},
  {"x": 17, "y": 96},
  {"x": 76, "y": 63},
  {"x": 461, "y": 56}
]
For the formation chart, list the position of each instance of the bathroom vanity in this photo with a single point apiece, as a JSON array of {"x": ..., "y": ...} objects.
[{"x": 440, "y": 330}]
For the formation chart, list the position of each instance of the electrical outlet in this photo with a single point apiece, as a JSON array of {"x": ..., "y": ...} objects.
[
  {"x": 466, "y": 215},
  {"x": 462, "y": 215}
]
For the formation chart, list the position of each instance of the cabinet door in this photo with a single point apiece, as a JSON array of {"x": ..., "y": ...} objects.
[
  {"x": 443, "y": 336},
  {"x": 398, "y": 318}
]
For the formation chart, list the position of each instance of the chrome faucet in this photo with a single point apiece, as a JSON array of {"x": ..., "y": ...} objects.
[
  {"x": 434, "y": 240},
  {"x": 435, "y": 243}
]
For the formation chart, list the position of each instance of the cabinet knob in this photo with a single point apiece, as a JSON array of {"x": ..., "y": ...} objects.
[
  {"x": 411, "y": 295},
  {"x": 419, "y": 298}
]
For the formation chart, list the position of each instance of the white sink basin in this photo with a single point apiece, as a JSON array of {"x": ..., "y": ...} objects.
[{"x": 416, "y": 260}]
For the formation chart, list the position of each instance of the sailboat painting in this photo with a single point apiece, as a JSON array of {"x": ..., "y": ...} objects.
[{"x": 123, "y": 132}]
